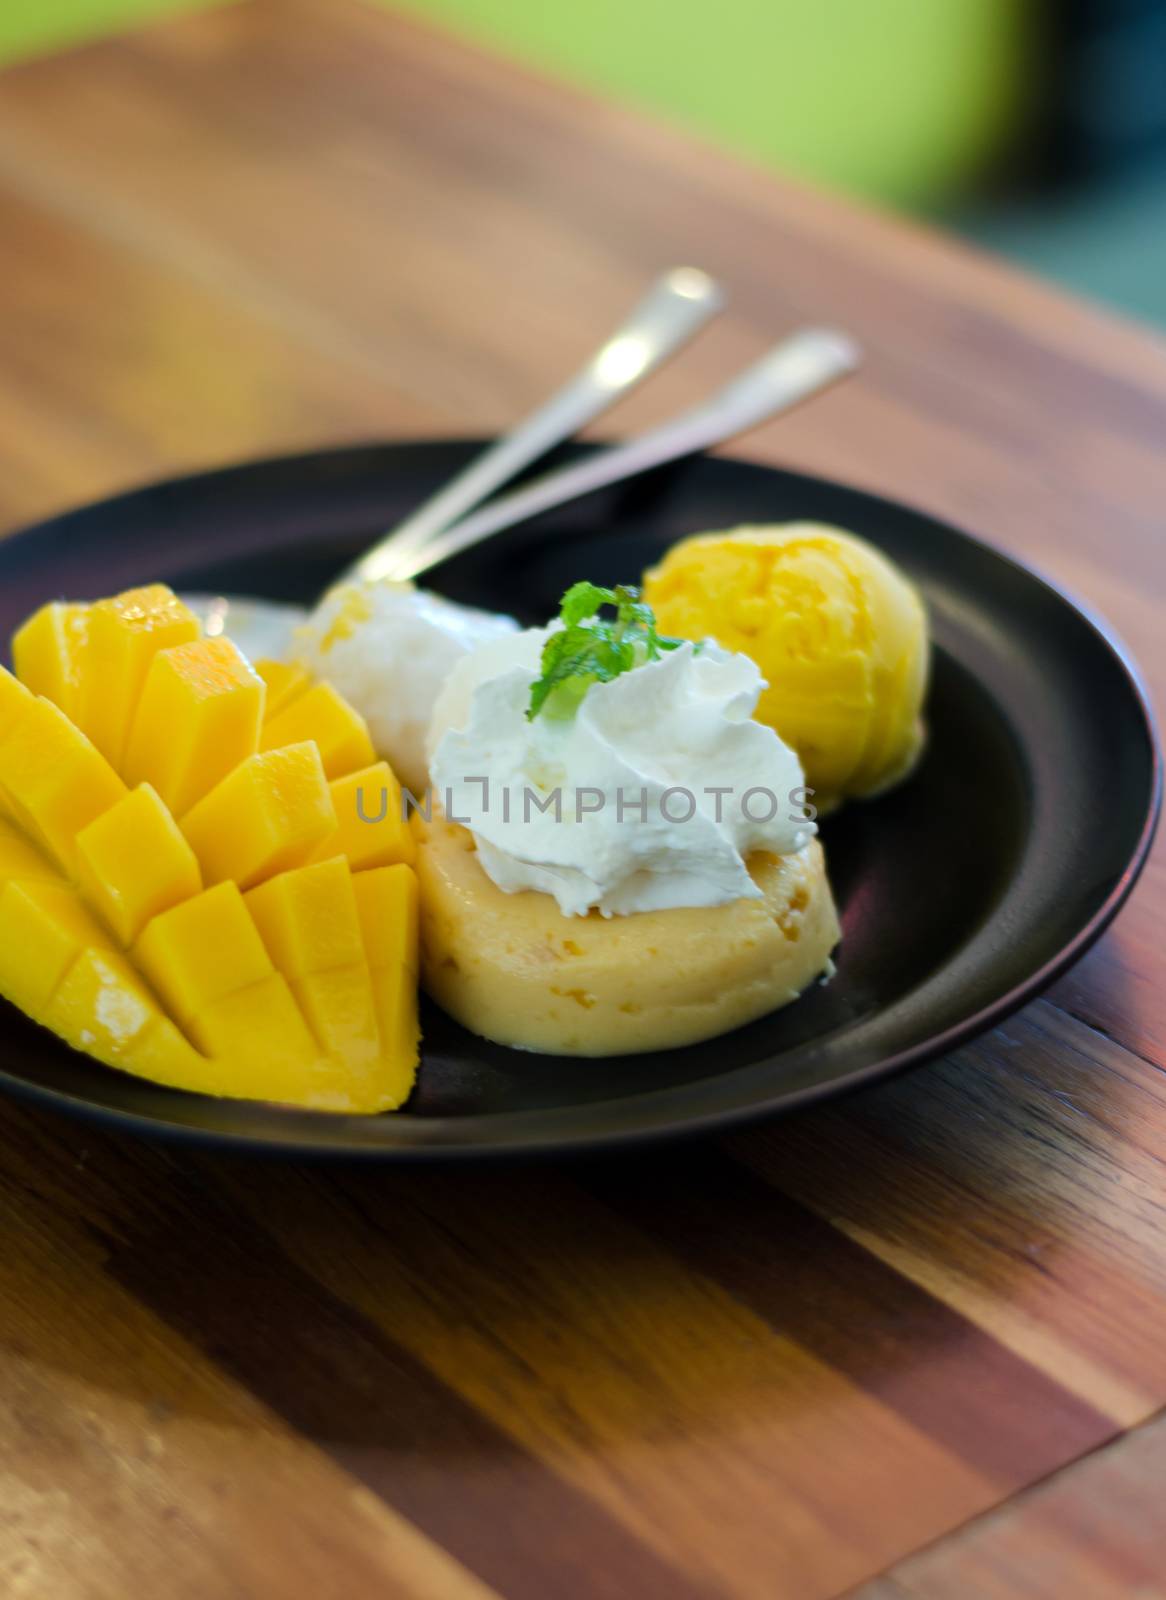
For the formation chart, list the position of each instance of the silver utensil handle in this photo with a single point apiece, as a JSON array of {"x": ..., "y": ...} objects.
[
  {"x": 792, "y": 372},
  {"x": 677, "y": 306}
]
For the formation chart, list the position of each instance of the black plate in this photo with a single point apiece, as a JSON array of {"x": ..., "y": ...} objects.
[{"x": 961, "y": 894}]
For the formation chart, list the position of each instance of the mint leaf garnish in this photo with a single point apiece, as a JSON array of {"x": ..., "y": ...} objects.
[{"x": 590, "y": 648}]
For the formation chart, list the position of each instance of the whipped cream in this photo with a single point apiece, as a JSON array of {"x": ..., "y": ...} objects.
[{"x": 650, "y": 796}]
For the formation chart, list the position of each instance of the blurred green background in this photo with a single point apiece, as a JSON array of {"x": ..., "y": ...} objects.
[{"x": 1038, "y": 129}]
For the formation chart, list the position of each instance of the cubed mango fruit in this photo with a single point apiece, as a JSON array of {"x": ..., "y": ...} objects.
[
  {"x": 262, "y": 1028},
  {"x": 322, "y": 715},
  {"x": 371, "y": 830},
  {"x": 44, "y": 927},
  {"x": 125, "y": 634},
  {"x": 165, "y": 1055},
  {"x": 287, "y": 978},
  {"x": 339, "y": 1008},
  {"x": 134, "y": 863},
  {"x": 262, "y": 818},
  {"x": 388, "y": 904},
  {"x": 284, "y": 682},
  {"x": 198, "y": 717},
  {"x": 21, "y": 860},
  {"x": 102, "y": 1006},
  {"x": 201, "y": 950},
  {"x": 48, "y": 653},
  {"x": 395, "y": 999},
  {"x": 15, "y": 702},
  {"x": 55, "y": 780},
  {"x": 307, "y": 918}
]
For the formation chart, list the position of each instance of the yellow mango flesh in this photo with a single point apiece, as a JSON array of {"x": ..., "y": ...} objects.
[
  {"x": 44, "y": 927},
  {"x": 308, "y": 919},
  {"x": 20, "y": 858},
  {"x": 284, "y": 682},
  {"x": 371, "y": 829},
  {"x": 201, "y": 951},
  {"x": 198, "y": 717},
  {"x": 125, "y": 634},
  {"x": 262, "y": 818},
  {"x": 48, "y": 654},
  {"x": 55, "y": 782},
  {"x": 388, "y": 904},
  {"x": 322, "y": 715},
  {"x": 107, "y": 934},
  {"x": 133, "y": 863},
  {"x": 102, "y": 1006}
]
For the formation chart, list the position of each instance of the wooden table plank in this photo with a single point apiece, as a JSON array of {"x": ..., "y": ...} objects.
[
  {"x": 775, "y": 1368},
  {"x": 1095, "y": 1529}
]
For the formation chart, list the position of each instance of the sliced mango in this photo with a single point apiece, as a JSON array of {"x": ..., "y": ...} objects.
[
  {"x": 264, "y": 817},
  {"x": 261, "y": 1026},
  {"x": 292, "y": 975},
  {"x": 56, "y": 782},
  {"x": 15, "y": 701},
  {"x": 43, "y": 929},
  {"x": 198, "y": 717},
  {"x": 308, "y": 920},
  {"x": 48, "y": 653},
  {"x": 284, "y": 682},
  {"x": 21, "y": 860},
  {"x": 371, "y": 829},
  {"x": 134, "y": 863},
  {"x": 102, "y": 1006},
  {"x": 388, "y": 905},
  {"x": 125, "y": 634},
  {"x": 322, "y": 715},
  {"x": 340, "y": 1009},
  {"x": 203, "y": 950}
]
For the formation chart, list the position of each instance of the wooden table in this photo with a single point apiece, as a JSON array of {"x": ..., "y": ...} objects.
[{"x": 913, "y": 1344}]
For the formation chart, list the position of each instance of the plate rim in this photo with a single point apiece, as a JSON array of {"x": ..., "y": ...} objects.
[{"x": 296, "y": 1145}]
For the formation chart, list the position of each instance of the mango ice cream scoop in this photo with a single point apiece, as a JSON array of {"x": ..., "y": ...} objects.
[{"x": 839, "y": 633}]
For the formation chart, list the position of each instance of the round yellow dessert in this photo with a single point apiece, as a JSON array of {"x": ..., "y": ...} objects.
[
  {"x": 837, "y": 630},
  {"x": 512, "y": 968}
]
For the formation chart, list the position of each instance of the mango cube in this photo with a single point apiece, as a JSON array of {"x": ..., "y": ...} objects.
[
  {"x": 198, "y": 717},
  {"x": 56, "y": 782},
  {"x": 44, "y": 927},
  {"x": 371, "y": 829},
  {"x": 262, "y": 818},
  {"x": 48, "y": 653},
  {"x": 102, "y": 1006},
  {"x": 200, "y": 951},
  {"x": 388, "y": 905},
  {"x": 284, "y": 682},
  {"x": 324, "y": 716},
  {"x": 133, "y": 863},
  {"x": 15, "y": 702},
  {"x": 307, "y": 919},
  {"x": 340, "y": 1010},
  {"x": 20, "y": 860},
  {"x": 125, "y": 634},
  {"x": 262, "y": 1027},
  {"x": 164, "y": 1055}
]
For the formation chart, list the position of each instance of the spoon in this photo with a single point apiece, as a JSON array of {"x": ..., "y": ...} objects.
[{"x": 792, "y": 372}]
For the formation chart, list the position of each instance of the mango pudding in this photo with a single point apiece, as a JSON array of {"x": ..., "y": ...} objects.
[
  {"x": 839, "y": 634},
  {"x": 188, "y": 888},
  {"x": 624, "y": 862}
]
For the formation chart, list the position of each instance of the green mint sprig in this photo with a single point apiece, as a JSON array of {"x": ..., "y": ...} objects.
[{"x": 590, "y": 648}]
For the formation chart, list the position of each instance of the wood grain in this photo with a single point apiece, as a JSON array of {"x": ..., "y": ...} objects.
[
  {"x": 896, "y": 1343},
  {"x": 1095, "y": 1529}
]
